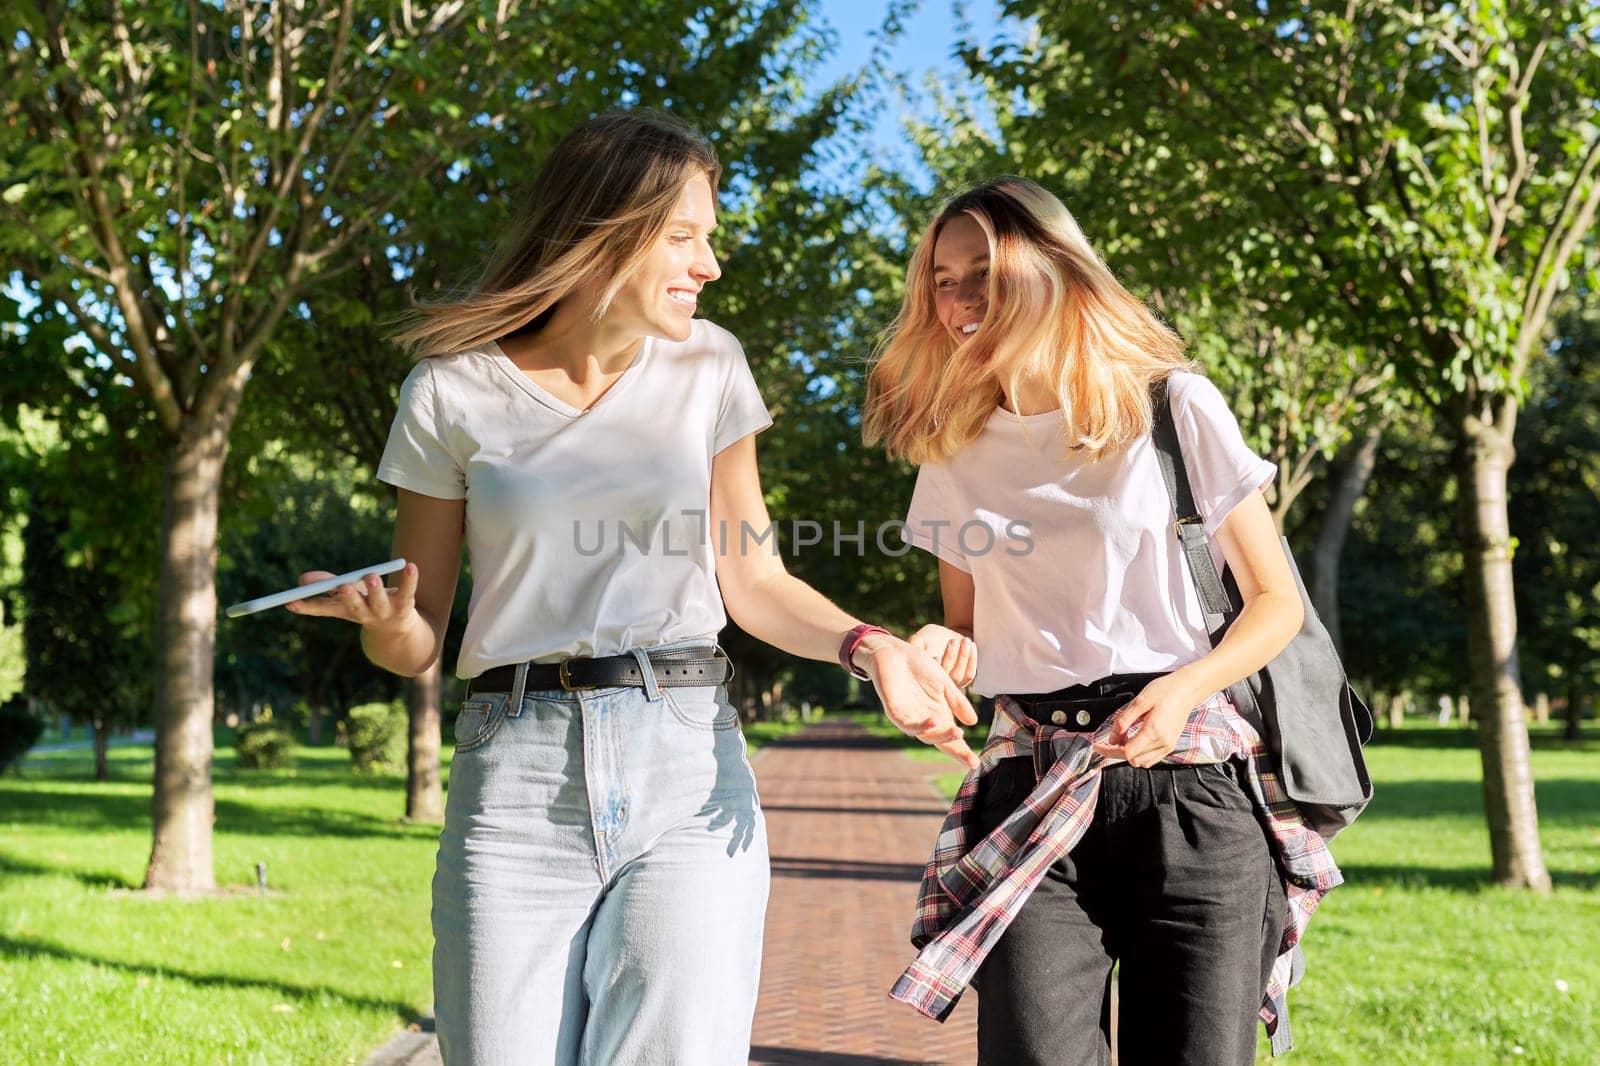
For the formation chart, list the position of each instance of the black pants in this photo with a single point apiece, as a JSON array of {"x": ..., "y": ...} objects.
[{"x": 1174, "y": 879}]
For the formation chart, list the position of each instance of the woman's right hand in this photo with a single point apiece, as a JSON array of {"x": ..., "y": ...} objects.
[
  {"x": 953, "y": 651},
  {"x": 366, "y": 602}
]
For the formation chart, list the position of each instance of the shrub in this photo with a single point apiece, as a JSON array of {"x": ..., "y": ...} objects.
[
  {"x": 20, "y": 730},
  {"x": 264, "y": 744},
  {"x": 376, "y": 733}
]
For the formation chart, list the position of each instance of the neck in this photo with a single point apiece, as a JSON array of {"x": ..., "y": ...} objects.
[
  {"x": 574, "y": 341},
  {"x": 1032, "y": 397}
]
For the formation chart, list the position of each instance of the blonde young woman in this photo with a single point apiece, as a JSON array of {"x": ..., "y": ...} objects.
[
  {"x": 602, "y": 872},
  {"x": 1119, "y": 811}
]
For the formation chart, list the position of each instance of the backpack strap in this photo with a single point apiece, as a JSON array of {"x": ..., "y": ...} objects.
[{"x": 1191, "y": 529}]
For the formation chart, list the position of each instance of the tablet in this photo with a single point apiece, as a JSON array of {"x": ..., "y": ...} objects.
[{"x": 316, "y": 588}]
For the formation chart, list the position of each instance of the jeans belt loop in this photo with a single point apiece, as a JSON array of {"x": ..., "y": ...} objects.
[
  {"x": 519, "y": 685},
  {"x": 652, "y": 689}
]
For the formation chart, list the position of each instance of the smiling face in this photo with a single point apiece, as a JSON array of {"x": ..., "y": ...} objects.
[
  {"x": 659, "y": 300},
  {"x": 961, "y": 276}
]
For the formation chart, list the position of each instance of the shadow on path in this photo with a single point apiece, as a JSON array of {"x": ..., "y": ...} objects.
[
  {"x": 781, "y": 1056},
  {"x": 845, "y": 869}
]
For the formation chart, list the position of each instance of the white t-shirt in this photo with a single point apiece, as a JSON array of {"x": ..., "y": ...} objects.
[
  {"x": 1076, "y": 567},
  {"x": 587, "y": 530}
]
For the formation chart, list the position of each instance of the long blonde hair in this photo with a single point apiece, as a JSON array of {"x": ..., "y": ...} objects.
[
  {"x": 598, "y": 204},
  {"x": 1055, "y": 314}
]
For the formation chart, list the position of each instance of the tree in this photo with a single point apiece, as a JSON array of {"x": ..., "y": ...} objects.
[{"x": 1428, "y": 170}]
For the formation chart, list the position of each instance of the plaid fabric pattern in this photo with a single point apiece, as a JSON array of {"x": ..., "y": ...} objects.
[{"x": 972, "y": 889}]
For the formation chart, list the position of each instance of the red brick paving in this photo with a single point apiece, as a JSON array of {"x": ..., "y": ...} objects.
[{"x": 850, "y": 822}]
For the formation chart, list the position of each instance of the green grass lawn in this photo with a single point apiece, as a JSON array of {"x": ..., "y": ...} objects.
[
  {"x": 1415, "y": 960},
  {"x": 322, "y": 970},
  {"x": 319, "y": 971}
]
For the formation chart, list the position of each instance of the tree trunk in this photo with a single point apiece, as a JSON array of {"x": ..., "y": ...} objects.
[
  {"x": 1351, "y": 484},
  {"x": 1483, "y": 456},
  {"x": 102, "y": 738},
  {"x": 186, "y": 630},
  {"x": 1574, "y": 728},
  {"x": 424, "y": 796}
]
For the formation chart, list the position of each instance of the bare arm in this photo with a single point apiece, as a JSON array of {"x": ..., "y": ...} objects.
[
  {"x": 1271, "y": 615},
  {"x": 774, "y": 606},
  {"x": 403, "y": 631},
  {"x": 1272, "y": 611},
  {"x": 956, "y": 589}
]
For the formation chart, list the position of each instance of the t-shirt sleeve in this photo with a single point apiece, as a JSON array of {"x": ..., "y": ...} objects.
[
  {"x": 934, "y": 518},
  {"x": 417, "y": 456},
  {"x": 740, "y": 409},
  {"x": 1223, "y": 470}
]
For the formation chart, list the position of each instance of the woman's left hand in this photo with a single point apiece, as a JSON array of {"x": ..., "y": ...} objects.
[
  {"x": 1148, "y": 728},
  {"x": 917, "y": 695}
]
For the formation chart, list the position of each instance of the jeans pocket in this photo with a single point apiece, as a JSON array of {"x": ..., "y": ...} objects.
[
  {"x": 478, "y": 719},
  {"x": 702, "y": 707}
]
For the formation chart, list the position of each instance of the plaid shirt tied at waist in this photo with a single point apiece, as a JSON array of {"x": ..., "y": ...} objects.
[{"x": 972, "y": 889}]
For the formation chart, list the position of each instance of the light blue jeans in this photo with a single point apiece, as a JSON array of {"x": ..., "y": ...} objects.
[{"x": 601, "y": 883}]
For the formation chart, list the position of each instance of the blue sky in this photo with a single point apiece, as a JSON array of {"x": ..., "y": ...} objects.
[{"x": 926, "y": 42}]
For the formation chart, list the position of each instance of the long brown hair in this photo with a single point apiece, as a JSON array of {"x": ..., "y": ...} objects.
[
  {"x": 599, "y": 202},
  {"x": 1056, "y": 314}
]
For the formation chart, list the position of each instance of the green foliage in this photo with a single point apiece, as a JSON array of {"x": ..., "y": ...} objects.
[
  {"x": 265, "y": 744},
  {"x": 290, "y": 513},
  {"x": 376, "y": 733},
  {"x": 1409, "y": 179},
  {"x": 20, "y": 730},
  {"x": 1555, "y": 513},
  {"x": 1400, "y": 601},
  {"x": 85, "y": 627}
]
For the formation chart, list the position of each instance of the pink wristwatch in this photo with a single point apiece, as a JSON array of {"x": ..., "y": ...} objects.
[{"x": 852, "y": 640}]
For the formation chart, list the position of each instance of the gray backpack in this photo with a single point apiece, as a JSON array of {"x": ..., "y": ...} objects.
[{"x": 1306, "y": 711}]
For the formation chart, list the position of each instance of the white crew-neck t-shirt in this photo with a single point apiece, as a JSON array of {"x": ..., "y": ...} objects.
[
  {"x": 586, "y": 530},
  {"x": 1076, "y": 567}
]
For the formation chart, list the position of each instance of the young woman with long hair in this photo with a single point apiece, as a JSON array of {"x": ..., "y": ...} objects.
[
  {"x": 602, "y": 873},
  {"x": 1124, "y": 811}
]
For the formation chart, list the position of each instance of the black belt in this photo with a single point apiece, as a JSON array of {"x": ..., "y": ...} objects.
[
  {"x": 678, "y": 668},
  {"x": 1084, "y": 708}
]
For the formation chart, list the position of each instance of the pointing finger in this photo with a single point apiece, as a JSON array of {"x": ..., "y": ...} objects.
[
  {"x": 958, "y": 750},
  {"x": 960, "y": 706}
]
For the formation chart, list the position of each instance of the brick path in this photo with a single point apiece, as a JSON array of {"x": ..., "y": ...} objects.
[{"x": 850, "y": 820}]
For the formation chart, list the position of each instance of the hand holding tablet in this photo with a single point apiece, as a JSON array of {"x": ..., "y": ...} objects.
[{"x": 357, "y": 579}]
